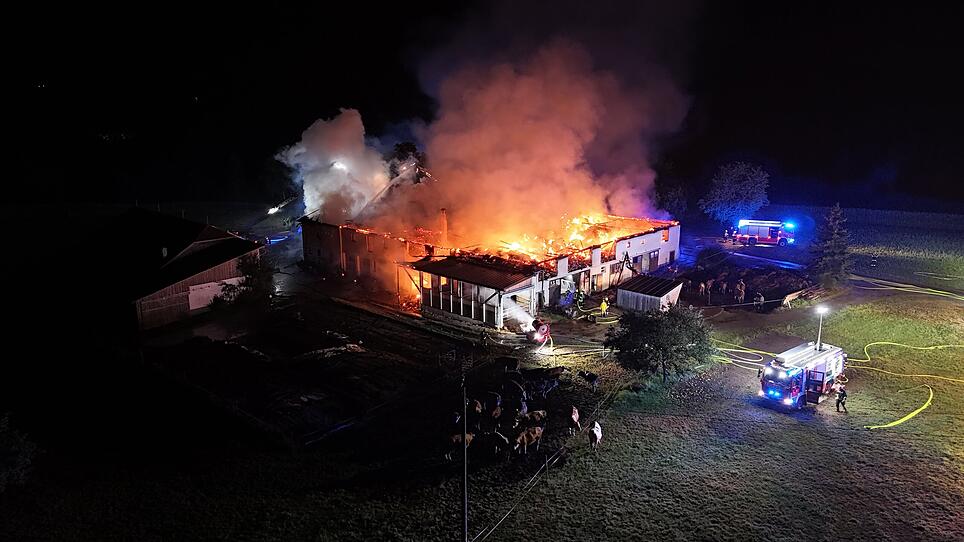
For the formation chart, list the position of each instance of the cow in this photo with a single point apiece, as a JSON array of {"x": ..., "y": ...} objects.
[
  {"x": 509, "y": 364},
  {"x": 491, "y": 419},
  {"x": 574, "y": 426},
  {"x": 494, "y": 441},
  {"x": 595, "y": 436},
  {"x": 536, "y": 417},
  {"x": 591, "y": 378},
  {"x": 474, "y": 414},
  {"x": 514, "y": 390},
  {"x": 514, "y": 375},
  {"x": 542, "y": 387},
  {"x": 454, "y": 442},
  {"x": 528, "y": 437}
]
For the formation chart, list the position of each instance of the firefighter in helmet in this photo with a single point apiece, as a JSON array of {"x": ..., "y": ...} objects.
[{"x": 842, "y": 398}]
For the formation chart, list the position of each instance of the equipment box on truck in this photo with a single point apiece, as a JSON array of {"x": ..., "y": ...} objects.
[{"x": 804, "y": 374}]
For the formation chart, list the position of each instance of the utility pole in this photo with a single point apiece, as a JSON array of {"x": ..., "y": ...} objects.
[{"x": 465, "y": 464}]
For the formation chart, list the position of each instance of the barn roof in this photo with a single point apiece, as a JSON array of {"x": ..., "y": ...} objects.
[
  {"x": 144, "y": 251},
  {"x": 490, "y": 273},
  {"x": 649, "y": 285}
]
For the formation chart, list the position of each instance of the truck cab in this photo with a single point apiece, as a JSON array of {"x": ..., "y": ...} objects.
[{"x": 803, "y": 375}]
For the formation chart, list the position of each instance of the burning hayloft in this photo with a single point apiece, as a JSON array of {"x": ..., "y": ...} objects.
[{"x": 502, "y": 285}]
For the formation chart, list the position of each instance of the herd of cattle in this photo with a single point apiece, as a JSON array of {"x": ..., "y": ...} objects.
[{"x": 498, "y": 423}]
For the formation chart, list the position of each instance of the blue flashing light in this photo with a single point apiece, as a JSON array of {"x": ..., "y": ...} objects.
[
  {"x": 743, "y": 222},
  {"x": 789, "y": 225}
]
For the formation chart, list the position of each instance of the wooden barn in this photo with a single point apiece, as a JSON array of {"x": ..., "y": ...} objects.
[{"x": 166, "y": 267}]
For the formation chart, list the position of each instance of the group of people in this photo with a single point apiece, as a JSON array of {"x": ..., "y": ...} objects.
[
  {"x": 730, "y": 233},
  {"x": 738, "y": 291}
]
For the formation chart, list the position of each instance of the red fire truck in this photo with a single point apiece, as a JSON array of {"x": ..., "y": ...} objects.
[
  {"x": 804, "y": 374},
  {"x": 764, "y": 232}
]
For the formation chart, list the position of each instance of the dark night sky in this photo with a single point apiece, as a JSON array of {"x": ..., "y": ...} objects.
[{"x": 859, "y": 103}]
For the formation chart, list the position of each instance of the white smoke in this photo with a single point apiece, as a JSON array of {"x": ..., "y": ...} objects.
[
  {"x": 338, "y": 171},
  {"x": 514, "y": 311}
]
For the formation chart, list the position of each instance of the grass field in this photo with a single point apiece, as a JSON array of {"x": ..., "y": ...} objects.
[
  {"x": 702, "y": 460},
  {"x": 925, "y": 248}
]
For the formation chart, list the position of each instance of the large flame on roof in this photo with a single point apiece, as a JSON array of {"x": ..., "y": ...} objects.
[
  {"x": 571, "y": 236},
  {"x": 574, "y": 235}
]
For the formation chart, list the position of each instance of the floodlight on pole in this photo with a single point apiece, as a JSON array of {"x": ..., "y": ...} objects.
[{"x": 821, "y": 310}]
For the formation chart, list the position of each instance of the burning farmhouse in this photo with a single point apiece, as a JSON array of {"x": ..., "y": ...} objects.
[{"x": 503, "y": 284}]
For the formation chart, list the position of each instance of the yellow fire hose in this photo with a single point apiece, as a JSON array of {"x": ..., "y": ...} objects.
[
  {"x": 734, "y": 351},
  {"x": 935, "y": 347},
  {"x": 930, "y": 398},
  {"x": 880, "y": 284}
]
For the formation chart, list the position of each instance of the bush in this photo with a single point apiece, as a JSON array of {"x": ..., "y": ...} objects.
[
  {"x": 16, "y": 455},
  {"x": 256, "y": 285}
]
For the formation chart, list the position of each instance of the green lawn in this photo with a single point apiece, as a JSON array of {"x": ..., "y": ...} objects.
[
  {"x": 702, "y": 460},
  {"x": 923, "y": 248}
]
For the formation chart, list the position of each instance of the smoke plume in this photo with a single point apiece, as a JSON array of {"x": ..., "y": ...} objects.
[
  {"x": 517, "y": 148},
  {"x": 540, "y": 118},
  {"x": 338, "y": 172}
]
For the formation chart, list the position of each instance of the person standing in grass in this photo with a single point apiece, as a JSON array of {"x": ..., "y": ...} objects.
[
  {"x": 842, "y": 398},
  {"x": 740, "y": 292}
]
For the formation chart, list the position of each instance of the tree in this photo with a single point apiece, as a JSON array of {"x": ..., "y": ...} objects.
[
  {"x": 16, "y": 455},
  {"x": 832, "y": 258},
  {"x": 738, "y": 190},
  {"x": 675, "y": 340},
  {"x": 671, "y": 199},
  {"x": 402, "y": 154},
  {"x": 255, "y": 287}
]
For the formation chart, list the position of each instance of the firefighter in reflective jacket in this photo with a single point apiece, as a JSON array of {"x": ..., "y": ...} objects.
[{"x": 842, "y": 398}]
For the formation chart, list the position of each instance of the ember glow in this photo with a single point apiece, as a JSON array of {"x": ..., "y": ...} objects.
[
  {"x": 571, "y": 237},
  {"x": 575, "y": 234}
]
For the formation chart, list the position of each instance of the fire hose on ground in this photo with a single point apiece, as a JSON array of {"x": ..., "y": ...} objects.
[
  {"x": 731, "y": 351},
  {"x": 880, "y": 284}
]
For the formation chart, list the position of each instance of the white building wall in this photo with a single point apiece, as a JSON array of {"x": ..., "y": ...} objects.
[
  {"x": 201, "y": 295},
  {"x": 634, "y": 247}
]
